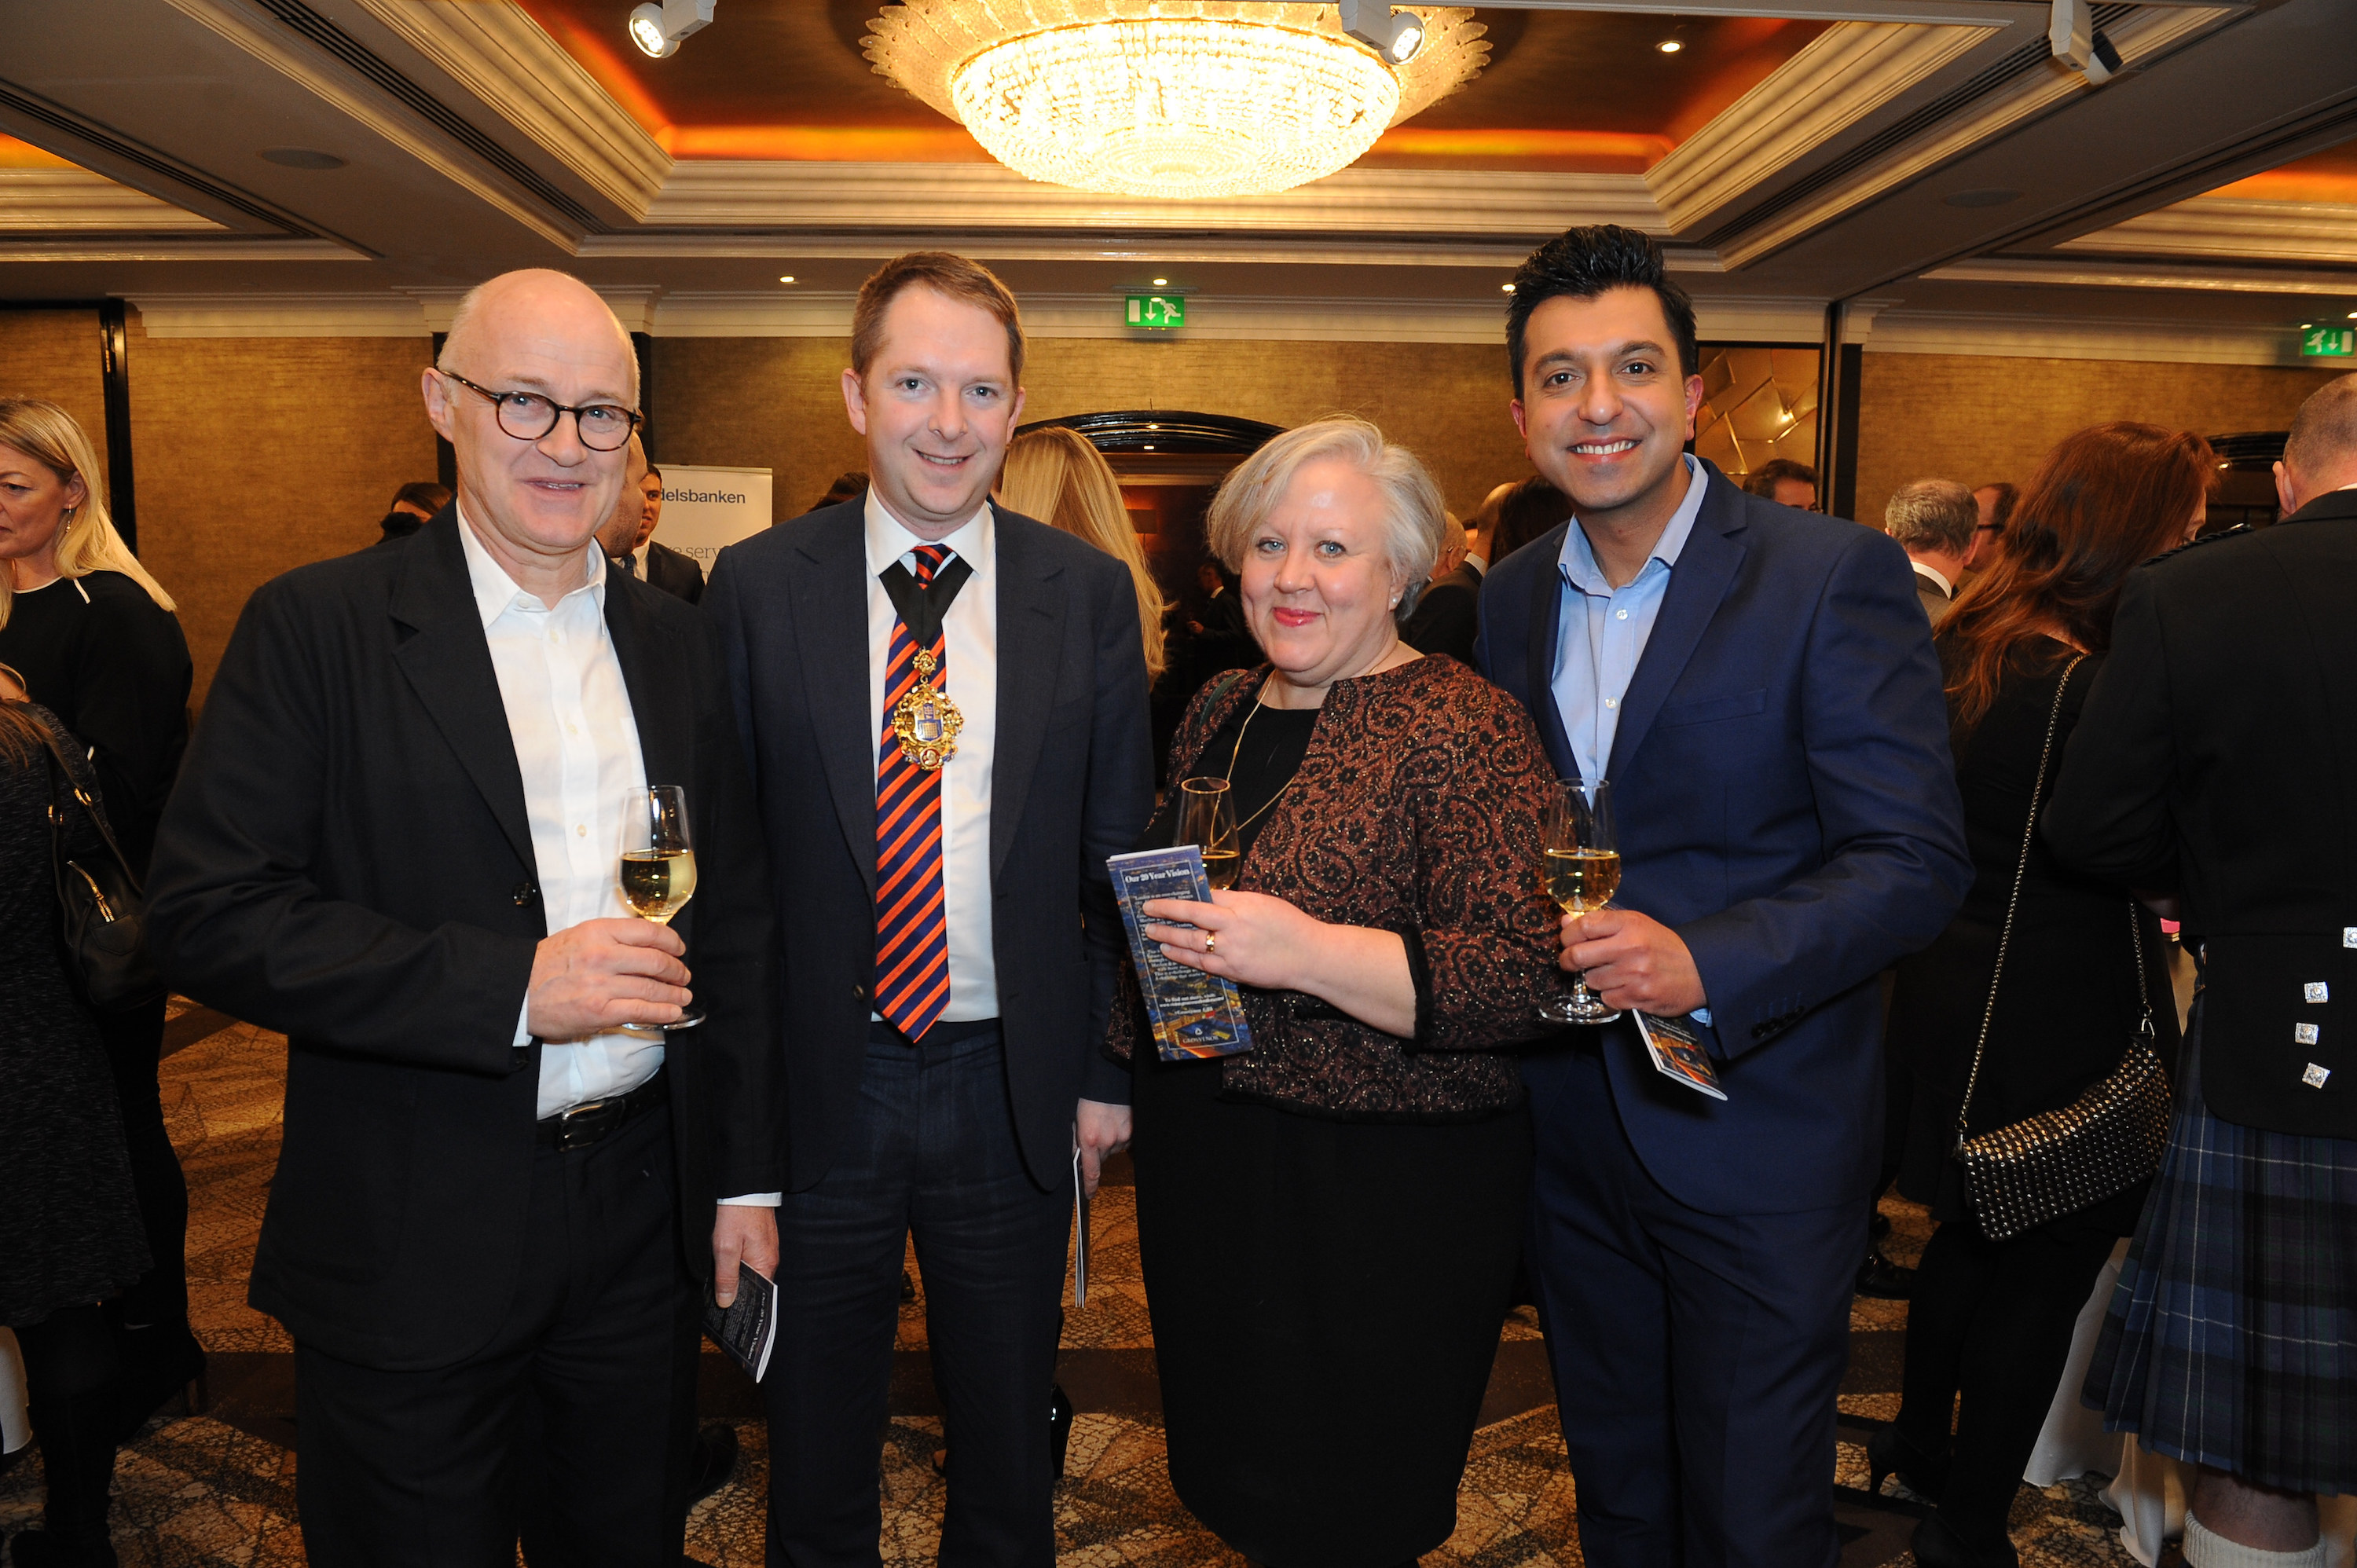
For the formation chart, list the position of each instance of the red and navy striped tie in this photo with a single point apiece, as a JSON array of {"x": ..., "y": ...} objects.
[{"x": 913, "y": 931}]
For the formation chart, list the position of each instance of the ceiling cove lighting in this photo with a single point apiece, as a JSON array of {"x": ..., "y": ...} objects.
[
  {"x": 1176, "y": 99},
  {"x": 1670, "y": 46},
  {"x": 657, "y": 25}
]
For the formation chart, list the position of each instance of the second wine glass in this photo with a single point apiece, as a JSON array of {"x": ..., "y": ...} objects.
[
  {"x": 1207, "y": 818},
  {"x": 1583, "y": 871},
  {"x": 658, "y": 875}
]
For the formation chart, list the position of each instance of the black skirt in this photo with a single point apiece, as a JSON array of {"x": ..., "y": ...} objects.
[{"x": 1327, "y": 1298}]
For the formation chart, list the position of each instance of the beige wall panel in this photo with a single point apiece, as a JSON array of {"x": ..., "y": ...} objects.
[
  {"x": 1978, "y": 419},
  {"x": 256, "y": 454},
  {"x": 773, "y": 401},
  {"x": 54, "y": 354}
]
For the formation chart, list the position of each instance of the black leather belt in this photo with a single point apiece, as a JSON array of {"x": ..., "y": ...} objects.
[{"x": 584, "y": 1124}]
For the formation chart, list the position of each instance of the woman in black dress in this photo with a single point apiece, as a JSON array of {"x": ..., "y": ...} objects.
[
  {"x": 1992, "y": 1320},
  {"x": 70, "y": 1231},
  {"x": 96, "y": 642},
  {"x": 1328, "y": 1223}
]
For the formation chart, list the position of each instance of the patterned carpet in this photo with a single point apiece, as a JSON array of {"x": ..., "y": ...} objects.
[{"x": 218, "y": 1489}]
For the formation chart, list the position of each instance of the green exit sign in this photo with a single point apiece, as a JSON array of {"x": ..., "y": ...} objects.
[
  {"x": 1157, "y": 310},
  {"x": 2315, "y": 342}
]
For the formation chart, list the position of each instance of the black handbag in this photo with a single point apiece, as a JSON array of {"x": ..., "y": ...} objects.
[
  {"x": 102, "y": 913},
  {"x": 2023, "y": 1175}
]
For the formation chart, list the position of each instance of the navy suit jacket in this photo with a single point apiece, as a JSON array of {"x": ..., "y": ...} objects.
[
  {"x": 1072, "y": 781},
  {"x": 1786, "y": 803}
]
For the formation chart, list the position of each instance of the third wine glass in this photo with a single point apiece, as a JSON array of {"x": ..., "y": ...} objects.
[{"x": 1583, "y": 871}]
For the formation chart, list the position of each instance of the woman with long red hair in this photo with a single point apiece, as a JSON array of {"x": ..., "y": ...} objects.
[{"x": 2084, "y": 968}]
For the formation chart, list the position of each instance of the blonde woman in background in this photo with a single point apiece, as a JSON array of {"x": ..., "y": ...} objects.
[
  {"x": 1055, "y": 475},
  {"x": 98, "y": 644}
]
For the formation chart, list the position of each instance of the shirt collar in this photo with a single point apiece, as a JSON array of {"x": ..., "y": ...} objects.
[
  {"x": 888, "y": 539},
  {"x": 1937, "y": 577},
  {"x": 496, "y": 592},
  {"x": 1577, "y": 558}
]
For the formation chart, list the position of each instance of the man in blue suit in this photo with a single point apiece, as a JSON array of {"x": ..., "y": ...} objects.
[{"x": 1757, "y": 685}]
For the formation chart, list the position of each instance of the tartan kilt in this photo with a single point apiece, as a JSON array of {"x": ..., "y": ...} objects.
[{"x": 2232, "y": 1338}]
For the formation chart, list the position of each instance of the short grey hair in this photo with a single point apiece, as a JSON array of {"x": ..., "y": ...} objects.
[
  {"x": 1414, "y": 517},
  {"x": 1932, "y": 514},
  {"x": 2324, "y": 431}
]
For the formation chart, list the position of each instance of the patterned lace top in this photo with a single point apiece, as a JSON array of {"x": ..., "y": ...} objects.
[{"x": 1417, "y": 810}]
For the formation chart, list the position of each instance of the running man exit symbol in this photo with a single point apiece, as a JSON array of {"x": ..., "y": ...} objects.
[{"x": 1157, "y": 310}]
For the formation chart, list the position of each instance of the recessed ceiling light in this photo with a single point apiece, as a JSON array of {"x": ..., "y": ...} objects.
[
  {"x": 1507, "y": 287},
  {"x": 788, "y": 278},
  {"x": 1992, "y": 197},
  {"x": 1162, "y": 282},
  {"x": 2353, "y": 315},
  {"x": 1149, "y": 446},
  {"x": 1669, "y": 45},
  {"x": 300, "y": 157}
]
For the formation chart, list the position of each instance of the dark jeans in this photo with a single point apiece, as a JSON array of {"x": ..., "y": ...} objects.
[
  {"x": 1696, "y": 1355},
  {"x": 930, "y": 1153},
  {"x": 1991, "y": 1320},
  {"x": 570, "y": 1429}
]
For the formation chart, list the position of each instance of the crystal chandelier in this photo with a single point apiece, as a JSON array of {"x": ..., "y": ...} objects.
[{"x": 1185, "y": 99}]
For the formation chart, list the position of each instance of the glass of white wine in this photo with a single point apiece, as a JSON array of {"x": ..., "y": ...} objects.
[
  {"x": 1583, "y": 871},
  {"x": 659, "y": 865},
  {"x": 1207, "y": 818}
]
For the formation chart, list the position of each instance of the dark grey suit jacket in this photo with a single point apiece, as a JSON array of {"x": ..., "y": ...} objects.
[
  {"x": 347, "y": 858},
  {"x": 674, "y": 573},
  {"x": 1071, "y": 782}
]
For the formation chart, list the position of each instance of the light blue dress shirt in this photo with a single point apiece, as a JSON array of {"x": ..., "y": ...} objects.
[{"x": 1600, "y": 630}]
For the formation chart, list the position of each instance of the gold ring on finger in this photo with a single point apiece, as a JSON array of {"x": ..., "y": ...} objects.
[{"x": 1210, "y": 941}]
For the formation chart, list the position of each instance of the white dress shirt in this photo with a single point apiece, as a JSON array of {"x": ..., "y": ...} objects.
[
  {"x": 971, "y": 680},
  {"x": 1939, "y": 578},
  {"x": 576, "y": 745}
]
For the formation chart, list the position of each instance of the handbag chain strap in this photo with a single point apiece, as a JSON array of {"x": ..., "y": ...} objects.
[
  {"x": 63, "y": 772},
  {"x": 2021, "y": 871}
]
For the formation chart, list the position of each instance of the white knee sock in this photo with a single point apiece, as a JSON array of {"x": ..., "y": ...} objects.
[{"x": 2203, "y": 1549}]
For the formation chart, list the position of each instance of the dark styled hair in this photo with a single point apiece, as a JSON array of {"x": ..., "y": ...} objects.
[
  {"x": 2104, "y": 501},
  {"x": 946, "y": 274},
  {"x": 654, "y": 470},
  {"x": 1762, "y": 481},
  {"x": 432, "y": 497},
  {"x": 2008, "y": 496},
  {"x": 846, "y": 486},
  {"x": 1526, "y": 510},
  {"x": 1583, "y": 263}
]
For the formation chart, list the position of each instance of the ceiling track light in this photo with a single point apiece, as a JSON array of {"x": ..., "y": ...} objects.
[
  {"x": 1395, "y": 35},
  {"x": 2077, "y": 42},
  {"x": 657, "y": 25}
]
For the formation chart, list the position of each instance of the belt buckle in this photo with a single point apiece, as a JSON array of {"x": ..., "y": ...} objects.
[{"x": 592, "y": 1124}]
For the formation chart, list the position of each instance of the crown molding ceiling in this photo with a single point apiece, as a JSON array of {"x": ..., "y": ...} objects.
[
  {"x": 73, "y": 200},
  {"x": 2077, "y": 273},
  {"x": 2028, "y": 337},
  {"x": 2236, "y": 230}
]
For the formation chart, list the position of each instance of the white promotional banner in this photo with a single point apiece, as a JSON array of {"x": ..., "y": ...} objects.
[{"x": 708, "y": 508}]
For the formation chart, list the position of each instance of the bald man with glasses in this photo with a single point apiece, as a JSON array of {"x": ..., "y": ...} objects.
[{"x": 396, "y": 838}]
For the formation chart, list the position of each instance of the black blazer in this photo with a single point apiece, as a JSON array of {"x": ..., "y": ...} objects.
[
  {"x": 2218, "y": 758},
  {"x": 674, "y": 573},
  {"x": 1444, "y": 619},
  {"x": 347, "y": 859},
  {"x": 1070, "y": 783}
]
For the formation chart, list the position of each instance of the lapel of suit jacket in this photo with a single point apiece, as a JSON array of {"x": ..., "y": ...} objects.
[
  {"x": 1030, "y": 635},
  {"x": 447, "y": 661},
  {"x": 1706, "y": 567},
  {"x": 655, "y": 673},
  {"x": 1547, "y": 618},
  {"x": 830, "y": 596}
]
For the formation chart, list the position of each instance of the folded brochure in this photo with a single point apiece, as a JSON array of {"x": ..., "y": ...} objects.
[
  {"x": 1677, "y": 1052},
  {"x": 747, "y": 1328},
  {"x": 1194, "y": 1015}
]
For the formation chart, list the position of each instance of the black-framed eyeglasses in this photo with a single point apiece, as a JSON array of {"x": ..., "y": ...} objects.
[{"x": 528, "y": 416}]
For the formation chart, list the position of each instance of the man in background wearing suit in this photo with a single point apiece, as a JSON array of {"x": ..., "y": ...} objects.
[
  {"x": 945, "y": 708},
  {"x": 628, "y": 536},
  {"x": 1758, "y": 685},
  {"x": 396, "y": 838},
  {"x": 1444, "y": 621},
  {"x": 1934, "y": 521}
]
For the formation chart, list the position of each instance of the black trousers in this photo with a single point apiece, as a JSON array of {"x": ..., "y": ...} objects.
[
  {"x": 570, "y": 1430},
  {"x": 134, "y": 1041},
  {"x": 930, "y": 1153},
  {"x": 1991, "y": 1321}
]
